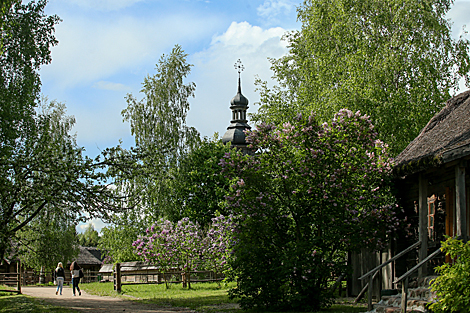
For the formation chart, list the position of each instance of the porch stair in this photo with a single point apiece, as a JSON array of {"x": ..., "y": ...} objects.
[{"x": 419, "y": 296}]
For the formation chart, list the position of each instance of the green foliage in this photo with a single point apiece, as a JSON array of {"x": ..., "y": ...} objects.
[
  {"x": 116, "y": 240},
  {"x": 197, "y": 188},
  {"x": 27, "y": 35},
  {"x": 394, "y": 60},
  {"x": 158, "y": 122},
  {"x": 48, "y": 239},
  {"x": 311, "y": 193},
  {"x": 45, "y": 169},
  {"x": 452, "y": 286},
  {"x": 41, "y": 165},
  {"x": 89, "y": 238}
]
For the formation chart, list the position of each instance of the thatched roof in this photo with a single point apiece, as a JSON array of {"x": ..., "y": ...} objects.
[
  {"x": 444, "y": 139},
  {"x": 85, "y": 257}
]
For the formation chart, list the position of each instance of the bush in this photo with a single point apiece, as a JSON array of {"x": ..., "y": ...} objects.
[
  {"x": 311, "y": 193},
  {"x": 452, "y": 287}
]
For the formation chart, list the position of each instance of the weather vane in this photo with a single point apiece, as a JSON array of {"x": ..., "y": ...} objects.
[{"x": 239, "y": 67}]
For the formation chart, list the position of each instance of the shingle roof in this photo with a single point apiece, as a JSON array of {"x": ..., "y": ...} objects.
[
  {"x": 129, "y": 266},
  {"x": 445, "y": 138}
]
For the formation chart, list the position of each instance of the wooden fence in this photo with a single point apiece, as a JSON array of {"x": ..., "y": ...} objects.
[
  {"x": 12, "y": 279},
  {"x": 155, "y": 277}
]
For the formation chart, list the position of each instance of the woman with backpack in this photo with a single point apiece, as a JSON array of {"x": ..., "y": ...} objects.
[
  {"x": 59, "y": 277},
  {"x": 75, "y": 271}
]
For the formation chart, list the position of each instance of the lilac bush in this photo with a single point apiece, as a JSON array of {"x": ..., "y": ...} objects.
[
  {"x": 159, "y": 246},
  {"x": 218, "y": 244},
  {"x": 311, "y": 193},
  {"x": 189, "y": 245},
  {"x": 184, "y": 246}
]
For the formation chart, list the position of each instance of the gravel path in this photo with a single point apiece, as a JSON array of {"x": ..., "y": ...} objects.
[{"x": 91, "y": 303}]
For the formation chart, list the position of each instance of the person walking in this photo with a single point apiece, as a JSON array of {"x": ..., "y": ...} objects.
[
  {"x": 59, "y": 277},
  {"x": 75, "y": 271}
]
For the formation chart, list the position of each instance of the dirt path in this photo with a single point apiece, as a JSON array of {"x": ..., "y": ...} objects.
[{"x": 91, "y": 303}]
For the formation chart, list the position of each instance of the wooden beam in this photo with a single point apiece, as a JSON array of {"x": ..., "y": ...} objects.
[
  {"x": 423, "y": 223},
  {"x": 460, "y": 202}
]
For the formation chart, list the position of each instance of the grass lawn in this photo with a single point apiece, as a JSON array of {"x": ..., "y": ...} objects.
[
  {"x": 203, "y": 297},
  {"x": 13, "y": 303}
]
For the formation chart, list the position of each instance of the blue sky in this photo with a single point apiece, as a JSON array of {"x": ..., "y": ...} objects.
[{"x": 107, "y": 47}]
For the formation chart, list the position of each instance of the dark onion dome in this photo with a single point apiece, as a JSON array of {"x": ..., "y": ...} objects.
[
  {"x": 235, "y": 132},
  {"x": 239, "y": 99}
]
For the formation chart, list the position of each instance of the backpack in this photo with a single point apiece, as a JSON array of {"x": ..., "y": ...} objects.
[
  {"x": 80, "y": 273},
  {"x": 60, "y": 272}
]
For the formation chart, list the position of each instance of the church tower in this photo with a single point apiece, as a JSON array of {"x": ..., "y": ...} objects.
[{"x": 239, "y": 123}]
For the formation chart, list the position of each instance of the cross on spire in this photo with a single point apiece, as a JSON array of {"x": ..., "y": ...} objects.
[{"x": 239, "y": 66}]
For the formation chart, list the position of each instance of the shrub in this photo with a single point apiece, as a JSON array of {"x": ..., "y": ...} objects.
[{"x": 452, "y": 287}]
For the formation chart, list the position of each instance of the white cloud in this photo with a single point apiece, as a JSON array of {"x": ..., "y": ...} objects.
[
  {"x": 105, "y": 85},
  {"x": 273, "y": 11},
  {"x": 93, "y": 49},
  {"x": 274, "y": 7},
  {"x": 103, "y": 5},
  {"x": 97, "y": 225}
]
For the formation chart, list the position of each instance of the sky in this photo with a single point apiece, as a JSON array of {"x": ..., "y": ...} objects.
[{"x": 107, "y": 47}]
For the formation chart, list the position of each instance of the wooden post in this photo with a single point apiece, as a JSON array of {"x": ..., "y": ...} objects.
[
  {"x": 369, "y": 294},
  {"x": 183, "y": 279},
  {"x": 18, "y": 269},
  {"x": 423, "y": 223},
  {"x": 460, "y": 202},
  {"x": 404, "y": 295},
  {"x": 118, "y": 277}
]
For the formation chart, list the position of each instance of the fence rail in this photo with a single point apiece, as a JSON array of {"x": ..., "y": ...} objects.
[{"x": 148, "y": 277}]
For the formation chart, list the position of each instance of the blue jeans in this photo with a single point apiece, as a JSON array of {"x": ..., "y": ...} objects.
[
  {"x": 75, "y": 282},
  {"x": 60, "y": 284}
]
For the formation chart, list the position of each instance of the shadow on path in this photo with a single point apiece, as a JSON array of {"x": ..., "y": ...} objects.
[{"x": 92, "y": 303}]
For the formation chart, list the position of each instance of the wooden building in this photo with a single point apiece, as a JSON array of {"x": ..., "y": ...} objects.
[
  {"x": 433, "y": 179},
  {"x": 433, "y": 188}
]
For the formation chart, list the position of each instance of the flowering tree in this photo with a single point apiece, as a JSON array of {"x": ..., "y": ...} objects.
[
  {"x": 218, "y": 243},
  {"x": 183, "y": 245},
  {"x": 188, "y": 241},
  {"x": 172, "y": 246},
  {"x": 310, "y": 194},
  {"x": 158, "y": 246}
]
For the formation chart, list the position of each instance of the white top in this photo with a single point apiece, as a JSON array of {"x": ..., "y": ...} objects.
[{"x": 75, "y": 273}]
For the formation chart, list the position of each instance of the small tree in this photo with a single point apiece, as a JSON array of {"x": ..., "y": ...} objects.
[
  {"x": 189, "y": 246},
  {"x": 310, "y": 193},
  {"x": 90, "y": 237},
  {"x": 452, "y": 286},
  {"x": 158, "y": 246},
  {"x": 117, "y": 240}
]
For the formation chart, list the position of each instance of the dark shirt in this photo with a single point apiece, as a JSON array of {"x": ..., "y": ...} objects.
[{"x": 59, "y": 272}]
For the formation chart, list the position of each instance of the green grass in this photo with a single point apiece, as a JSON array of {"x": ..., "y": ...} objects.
[
  {"x": 22, "y": 303},
  {"x": 203, "y": 297}
]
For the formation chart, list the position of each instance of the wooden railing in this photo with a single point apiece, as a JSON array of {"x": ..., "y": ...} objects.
[
  {"x": 372, "y": 273},
  {"x": 406, "y": 276}
]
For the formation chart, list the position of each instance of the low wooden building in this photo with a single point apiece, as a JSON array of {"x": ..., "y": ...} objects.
[
  {"x": 433, "y": 188},
  {"x": 433, "y": 180}
]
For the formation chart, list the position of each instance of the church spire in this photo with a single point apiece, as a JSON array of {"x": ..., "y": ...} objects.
[{"x": 239, "y": 104}]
